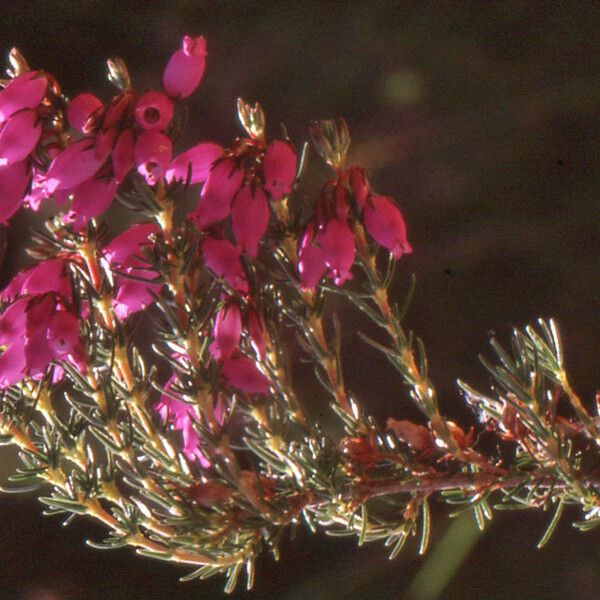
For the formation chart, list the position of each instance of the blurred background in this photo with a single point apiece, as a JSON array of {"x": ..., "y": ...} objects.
[{"x": 483, "y": 121}]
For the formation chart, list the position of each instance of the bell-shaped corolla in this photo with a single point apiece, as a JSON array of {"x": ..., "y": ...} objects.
[
  {"x": 152, "y": 152},
  {"x": 241, "y": 372},
  {"x": 223, "y": 181},
  {"x": 385, "y": 224},
  {"x": 250, "y": 215},
  {"x": 153, "y": 111},
  {"x": 14, "y": 180},
  {"x": 185, "y": 68},
  {"x": 81, "y": 108},
  {"x": 279, "y": 169},
  {"x": 125, "y": 256},
  {"x": 197, "y": 162},
  {"x": 223, "y": 259},
  {"x": 23, "y": 92}
]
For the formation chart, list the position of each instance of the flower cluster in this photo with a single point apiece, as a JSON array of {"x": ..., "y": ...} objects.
[
  {"x": 81, "y": 151},
  {"x": 39, "y": 326}
]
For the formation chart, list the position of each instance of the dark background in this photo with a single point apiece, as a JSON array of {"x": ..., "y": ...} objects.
[{"x": 483, "y": 121}]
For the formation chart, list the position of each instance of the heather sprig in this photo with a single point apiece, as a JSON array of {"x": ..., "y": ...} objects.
[{"x": 147, "y": 379}]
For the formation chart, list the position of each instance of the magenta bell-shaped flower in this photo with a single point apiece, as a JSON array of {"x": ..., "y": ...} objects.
[
  {"x": 197, "y": 161},
  {"x": 337, "y": 245},
  {"x": 185, "y": 68},
  {"x": 153, "y": 111},
  {"x": 250, "y": 215},
  {"x": 223, "y": 181},
  {"x": 36, "y": 330},
  {"x": 384, "y": 223},
  {"x": 91, "y": 198},
  {"x": 227, "y": 331},
  {"x": 49, "y": 276},
  {"x": 242, "y": 373},
  {"x": 74, "y": 165},
  {"x": 23, "y": 92},
  {"x": 13, "y": 362},
  {"x": 124, "y": 254},
  {"x": 152, "y": 152},
  {"x": 330, "y": 247},
  {"x": 81, "y": 108},
  {"x": 279, "y": 168},
  {"x": 63, "y": 333},
  {"x": 14, "y": 180},
  {"x": 223, "y": 259},
  {"x": 19, "y": 136}
]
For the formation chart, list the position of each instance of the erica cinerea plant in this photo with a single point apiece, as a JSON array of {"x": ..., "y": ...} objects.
[{"x": 195, "y": 447}]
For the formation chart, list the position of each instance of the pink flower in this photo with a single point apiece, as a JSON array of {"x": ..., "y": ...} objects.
[
  {"x": 227, "y": 331},
  {"x": 14, "y": 180},
  {"x": 122, "y": 155},
  {"x": 74, "y": 165},
  {"x": 152, "y": 153},
  {"x": 223, "y": 181},
  {"x": 185, "y": 68},
  {"x": 153, "y": 111},
  {"x": 23, "y": 92},
  {"x": 279, "y": 168},
  {"x": 250, "y": 215},
  {"x": 223, "y": 259},
  {"x": 330, "y": 247},
  {"x": 337, "y": 245},
  {"x": 49, "y": 276},
  {"x": 13, "y": 362},
  {"x": 383, "y": 220},
  {"x": 37, "y": 330},
  {"x": 311, "y": 261},
  {"x": 198, "y": 160},
  {"x": 242, "y": 373},
  {"x": 19, "y": 136},
  {"x": 81, "y": 108},
  {"x": 91, "y": 198},
  {"x": 127, "y": 245},
  {"x": 124, "y": 254}
]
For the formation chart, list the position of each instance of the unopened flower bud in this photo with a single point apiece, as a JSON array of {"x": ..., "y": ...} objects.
[
  {"x": 332, "y": 141},
  {"x": 252, "y": 119}
]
